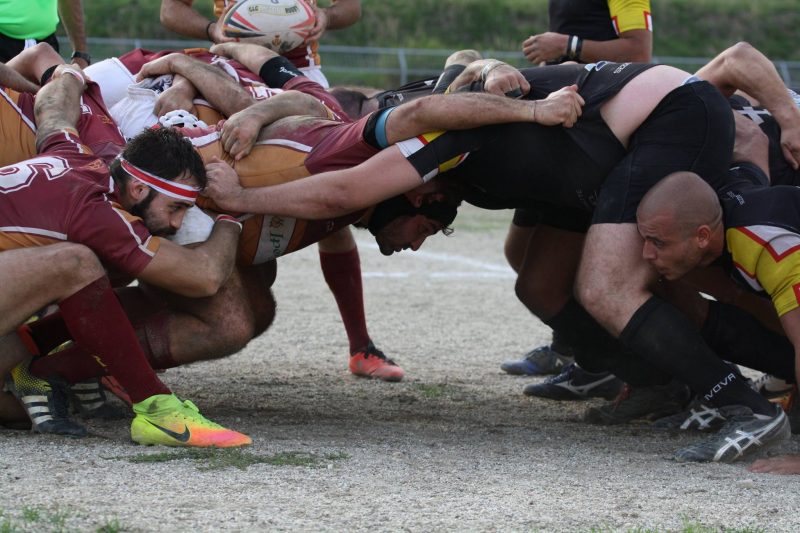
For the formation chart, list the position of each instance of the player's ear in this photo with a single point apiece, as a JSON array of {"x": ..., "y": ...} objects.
[
  {"x": 416, "y": 198},
  {"x": 137, "y": 191}
]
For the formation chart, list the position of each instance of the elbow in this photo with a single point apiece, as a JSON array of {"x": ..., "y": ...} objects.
[
  {"x": 207, "y": 285},
  {"x": 740, "y": 52}
]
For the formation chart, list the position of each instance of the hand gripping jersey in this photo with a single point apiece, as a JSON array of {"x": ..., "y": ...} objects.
[
  {"x": 65, "y": 194},
  {"x": 135, "y": 59},
  {"x": 780, "y": 171},
  {"x": 762, "y": 236},
  {"x": 18, "y": 131},
  {"x": 296, "y": 148},
  {"x": 526, "y": 164}
]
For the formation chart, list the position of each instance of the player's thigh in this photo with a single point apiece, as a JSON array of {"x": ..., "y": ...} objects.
[
  {"x": 547, "y": 274},
  {"x": 519, "y": 233},
  {"x": 31, "y": 278}
]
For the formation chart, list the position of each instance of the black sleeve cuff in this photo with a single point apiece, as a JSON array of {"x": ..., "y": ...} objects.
[{"x": 277, "y": 71}]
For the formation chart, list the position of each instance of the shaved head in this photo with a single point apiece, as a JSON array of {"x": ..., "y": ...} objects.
[{"x": 683, "y": 198}]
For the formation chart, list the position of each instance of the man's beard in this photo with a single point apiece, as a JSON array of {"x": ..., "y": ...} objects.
[{"x": 142, "y": 210}]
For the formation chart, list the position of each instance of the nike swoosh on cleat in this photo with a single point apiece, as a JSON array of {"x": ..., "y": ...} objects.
[{"x": 180, "y": 437}]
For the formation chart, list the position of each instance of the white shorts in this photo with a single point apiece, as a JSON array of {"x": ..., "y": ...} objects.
[{"x": 113, "y": 78}]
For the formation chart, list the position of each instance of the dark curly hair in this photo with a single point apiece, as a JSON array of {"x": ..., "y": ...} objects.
[{"x": 163, "y": 152}]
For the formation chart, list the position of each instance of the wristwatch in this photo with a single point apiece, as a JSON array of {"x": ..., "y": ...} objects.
[{"x": 82, "y": 55}]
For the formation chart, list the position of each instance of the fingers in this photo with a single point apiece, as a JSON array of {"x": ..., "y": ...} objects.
[{"x": 792, "y": 154}]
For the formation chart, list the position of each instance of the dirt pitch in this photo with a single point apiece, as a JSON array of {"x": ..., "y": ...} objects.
[{"x": 455, "y": 446}]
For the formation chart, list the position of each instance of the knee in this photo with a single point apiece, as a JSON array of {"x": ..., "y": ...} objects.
[
  {"x": 589, "y": 295},
  {"x": 540, "y": 297},
  {"x": 76, "y": 262},
  {"x": 234, "y": 333},
  {"x": 264, "y": 315},
  {"x": 339, "y": 242}
]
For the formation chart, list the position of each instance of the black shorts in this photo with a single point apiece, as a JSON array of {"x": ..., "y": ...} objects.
[
  {"x": 690, "y": 129},
  {"x": 565, "y": 218},
  {"x": 10, "y": 47}
]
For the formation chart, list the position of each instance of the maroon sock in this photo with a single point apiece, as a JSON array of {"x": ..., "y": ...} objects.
[
  {"x": 150, "y": 317},
  {"x": 98, "y": 324},
  {"x": 74, "y": 364},
  {"x": 47, "y": 333},
  {"x": 342, "y": 271}
]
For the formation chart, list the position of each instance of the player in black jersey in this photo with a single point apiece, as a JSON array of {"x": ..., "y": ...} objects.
[{"x": 755, "y": 236}]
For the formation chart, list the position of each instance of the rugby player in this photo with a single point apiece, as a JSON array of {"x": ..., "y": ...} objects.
[
  {"x": 139, "y": 106},
  {"x": 122, "y": 221},
  {"x": 753, "y": 231},
  {"x": 630, "y": 111},
  {"x": 247, "y": 305}
]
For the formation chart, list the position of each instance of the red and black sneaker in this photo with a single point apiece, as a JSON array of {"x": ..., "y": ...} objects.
[{"x": 372, "y": 363}]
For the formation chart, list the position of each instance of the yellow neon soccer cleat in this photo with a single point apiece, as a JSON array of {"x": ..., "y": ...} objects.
[{"x": 164, "y": 419}]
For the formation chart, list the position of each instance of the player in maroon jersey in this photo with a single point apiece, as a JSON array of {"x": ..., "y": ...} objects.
[{"x": 65, "y": 195}]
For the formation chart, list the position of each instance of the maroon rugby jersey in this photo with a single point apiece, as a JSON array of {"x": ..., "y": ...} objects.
[
  {"x": 65, "y": 194},
  {"x": 18, "y": 131}
]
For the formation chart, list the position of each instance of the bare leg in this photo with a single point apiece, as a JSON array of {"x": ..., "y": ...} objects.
[
  {"x": 210, "y": 328},
  {"x": 516, "y": 245},
  {"x": 31, "y": 278},
  {"x": 34, "y": 61},
  {"x": 613, "y": 278},
  {"x": 547, "y": 272}
]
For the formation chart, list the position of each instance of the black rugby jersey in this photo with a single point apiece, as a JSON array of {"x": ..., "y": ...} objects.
[
  {"x": 780, "y": 171},
  {"x": 762, "y": 236}
]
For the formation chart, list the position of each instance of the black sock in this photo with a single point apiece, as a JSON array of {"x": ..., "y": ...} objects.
[
  {"x": 596, "y": 350},
  {"x": 740, "y": 338},
  {"x": 667, "y": 339}
]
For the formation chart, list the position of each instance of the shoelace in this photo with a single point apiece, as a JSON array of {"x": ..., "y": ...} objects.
[
  {"x": 565, "y": 375},
  {"x": 372, "y": 351}
]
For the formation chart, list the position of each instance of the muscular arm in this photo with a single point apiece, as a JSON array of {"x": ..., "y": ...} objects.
[
  {"x": 742, "y": 67},
  {"x": 213, "y": 83},
  {"x": 471, "y": 110},
  {"x": 198, "y": 271},
  {"x": 71, "y": 14},
  {"x": 632, "y": 45},
  {"x": 329, "y": 194},
  {"x": 241, "y": 130},
  {"x": 57, "y": 104},
  {"x": 180, "y": 17},
  {"x": 340, "y": 14}
]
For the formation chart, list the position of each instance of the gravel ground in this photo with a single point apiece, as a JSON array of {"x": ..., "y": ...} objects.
[{"x": 455, "y": 446}]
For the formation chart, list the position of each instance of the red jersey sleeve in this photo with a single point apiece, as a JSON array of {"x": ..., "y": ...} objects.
[{"x": 120, "y": 240}]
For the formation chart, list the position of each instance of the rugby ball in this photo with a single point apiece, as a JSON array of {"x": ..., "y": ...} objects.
[{"x": 280, "y": 25}]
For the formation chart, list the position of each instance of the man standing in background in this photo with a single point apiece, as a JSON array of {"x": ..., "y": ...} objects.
[
  {"x": 584, "y": 31},
  {"x": 23, "y": 24},
  {"x": 180, "y": 17}
]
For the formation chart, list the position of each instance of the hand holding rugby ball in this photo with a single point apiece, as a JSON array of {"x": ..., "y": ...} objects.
[{"x": 280, "y": 25}]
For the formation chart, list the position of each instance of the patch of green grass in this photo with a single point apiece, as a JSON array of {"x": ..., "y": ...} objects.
[
  {"x": 219, "y": 459},
  {"x": 112, "y": 526},
  {"x": 43, "y": 520},
  {"x": 433, "y": 390},
  {"x": 689, "y": 526}
]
